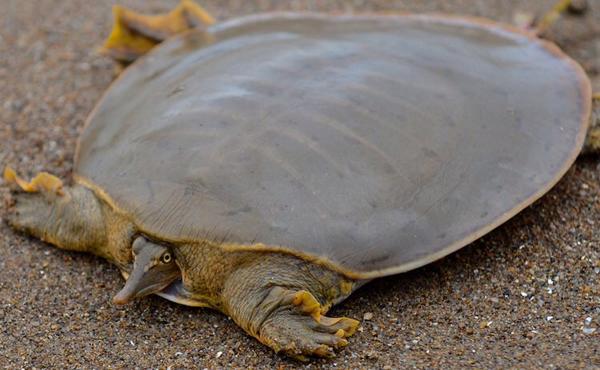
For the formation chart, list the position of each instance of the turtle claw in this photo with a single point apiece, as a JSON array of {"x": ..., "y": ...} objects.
[
  {"x": 134, "y": 34},
  {"x": 307, "y": 304},
  {"x": 68, "y": 217},
  {"x": 302, "y": 331},
  {"x": 301, "y": 336}
]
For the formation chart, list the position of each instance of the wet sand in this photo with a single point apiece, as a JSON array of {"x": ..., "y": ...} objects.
[{"x": 520, "y": 297}]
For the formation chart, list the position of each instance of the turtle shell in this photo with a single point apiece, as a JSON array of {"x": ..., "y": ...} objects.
[{"x": 374, "y": 144}]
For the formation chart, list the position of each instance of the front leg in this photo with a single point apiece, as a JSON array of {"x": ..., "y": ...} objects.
[
  {"x": 281, "y": 301},
  {"x": 292, "y": 322}
]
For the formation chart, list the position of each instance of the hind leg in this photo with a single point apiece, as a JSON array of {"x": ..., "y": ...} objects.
[
  {"x": 134, "y": 34},
  {"x": 592, "y": 142},
  {"x": 71, "y": 218},
  {"x": 550, "y": 18}
]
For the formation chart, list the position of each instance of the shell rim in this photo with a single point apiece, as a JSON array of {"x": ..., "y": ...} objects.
[{"x": 585, "y": 97}]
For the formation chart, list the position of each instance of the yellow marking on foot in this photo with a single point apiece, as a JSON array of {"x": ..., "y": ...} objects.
[
  {"x": 135, "y": 34},
  {"x": 10, "y": 176},
  {"x": 308, "y": 304},
  {"x": 123, "y": 44},
  {"x": 552, "y": 16},
  {"x": 42, "y": 182},
  {"x": 322, "y": 351},
  {"x": 340, "y": 333},
  {"x": 352, "y": 326}
]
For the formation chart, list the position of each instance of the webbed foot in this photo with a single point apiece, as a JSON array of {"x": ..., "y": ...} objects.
[
  {"x": 298, "y": 329},
  {"x": 32, "y": 210},
  {"x": 68, "y": 217},
  {"x": 281, "y": 300},
  {"x": 34, "y": 202},
  {"x": 134, "y": 34}
]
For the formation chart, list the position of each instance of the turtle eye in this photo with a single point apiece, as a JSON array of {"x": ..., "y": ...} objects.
[{"x": 166, "y": 258}]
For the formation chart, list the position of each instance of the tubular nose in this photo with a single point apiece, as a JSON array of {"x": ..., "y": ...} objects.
[{"x": 125, "y": 295}]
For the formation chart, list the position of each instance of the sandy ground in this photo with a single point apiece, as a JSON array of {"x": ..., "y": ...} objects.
[{"x": 520, "y": 297}]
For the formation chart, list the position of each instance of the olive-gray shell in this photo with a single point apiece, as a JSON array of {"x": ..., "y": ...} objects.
[{"x": 376, "y": 143}]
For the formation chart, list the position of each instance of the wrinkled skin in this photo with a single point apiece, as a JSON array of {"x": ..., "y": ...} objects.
[{"x": 279, "y": 299}]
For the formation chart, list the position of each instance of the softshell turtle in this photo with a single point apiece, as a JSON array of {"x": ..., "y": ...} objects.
[{"x": 270, "y": 165}]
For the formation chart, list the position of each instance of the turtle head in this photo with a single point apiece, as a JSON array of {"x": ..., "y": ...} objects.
[{"x": 154, "y": 268}]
